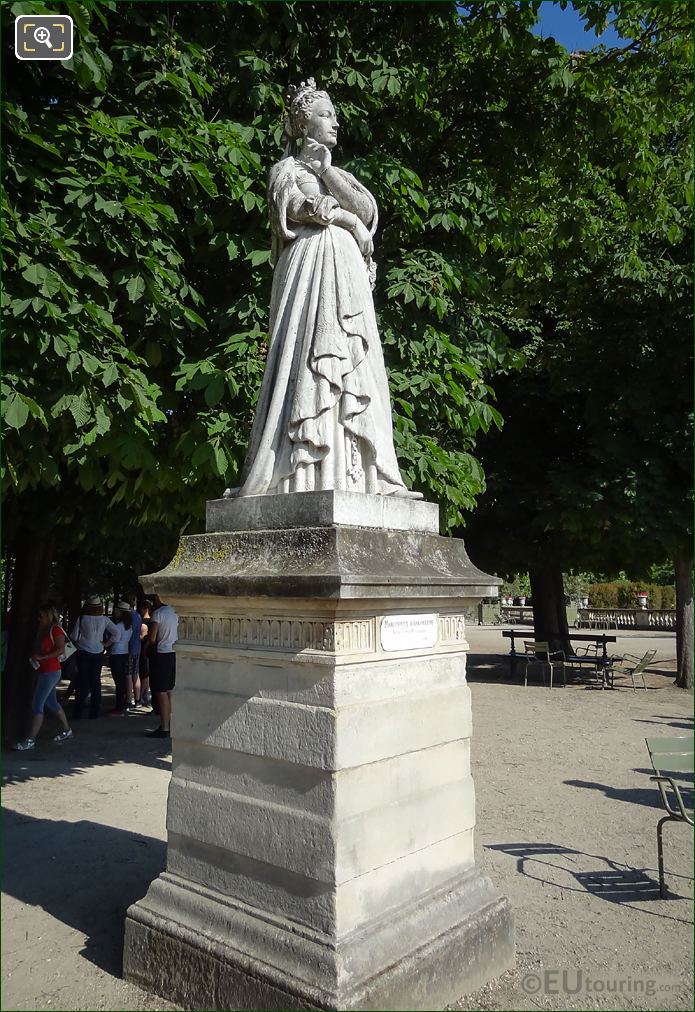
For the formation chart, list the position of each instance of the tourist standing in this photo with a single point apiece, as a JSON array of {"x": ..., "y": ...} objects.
[
  {"x": 146, "y": 649},
  {"x": 133, "y": 687},
  {"x": 88, "y": 634},
  {"x": 49, "y": 646},
  {"x": 119, "y": 656},
  {"x": 163, "y": 633}
]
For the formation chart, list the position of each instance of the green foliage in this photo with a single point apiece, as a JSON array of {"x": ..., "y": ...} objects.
[
  {"x": 598, "y": 426},
  {"x": 603, "y": 595},
  {"x": 517, "y": 586},
  {"x": 534, "y": 208},
  {"x": 108, "y": 242},
  {"x": 661, "y": 573},
  {"x": 137, "y": 243},
  {"x": 577, "y": 584},
  {"x": 623, "y": 594}
]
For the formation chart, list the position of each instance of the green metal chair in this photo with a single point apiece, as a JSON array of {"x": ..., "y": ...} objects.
[
  {"x": 538, "y": 653},
  {"x": 629, "y": 665},
  {"x": 671, "y": 758}
]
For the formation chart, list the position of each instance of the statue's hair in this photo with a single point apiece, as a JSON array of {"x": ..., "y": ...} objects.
[{"x": 298, "y": 102}]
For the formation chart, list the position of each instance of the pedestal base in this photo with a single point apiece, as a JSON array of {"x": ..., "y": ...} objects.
[
  {"x": 321, "y": 810},
  {"x": 204, "y": 951},
  {"x": 322, "y": 509}
]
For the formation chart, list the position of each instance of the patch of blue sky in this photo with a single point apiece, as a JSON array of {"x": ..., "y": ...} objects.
[{"x": 567, "y": 28}]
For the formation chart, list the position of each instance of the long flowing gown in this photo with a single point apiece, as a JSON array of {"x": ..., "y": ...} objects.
[{"x": 323, "y": 419}]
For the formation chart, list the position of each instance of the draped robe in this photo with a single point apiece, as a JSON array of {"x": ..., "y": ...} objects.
[{"x": 323, "y": 418}]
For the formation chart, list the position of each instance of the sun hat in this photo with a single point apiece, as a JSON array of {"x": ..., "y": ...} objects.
[
  {"x": 123, "y": 606},
  {"x": 94, "y": 600}
]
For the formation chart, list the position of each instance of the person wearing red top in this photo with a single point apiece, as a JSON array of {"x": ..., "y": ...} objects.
[{"x": 50, "y": 644}]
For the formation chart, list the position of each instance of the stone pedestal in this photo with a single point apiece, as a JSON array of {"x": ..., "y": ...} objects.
[{"x": 321, "y": 809}]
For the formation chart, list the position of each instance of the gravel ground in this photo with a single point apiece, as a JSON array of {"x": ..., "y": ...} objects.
[
  {"x": 566, "y": 828},
  {"x": 566, "y": 818}
]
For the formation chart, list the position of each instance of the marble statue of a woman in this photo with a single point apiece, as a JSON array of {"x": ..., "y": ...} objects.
[{"x": 323, "y": 419}]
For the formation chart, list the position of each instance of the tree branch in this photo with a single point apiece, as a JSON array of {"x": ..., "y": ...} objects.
[{"x": 651, "y": 29}]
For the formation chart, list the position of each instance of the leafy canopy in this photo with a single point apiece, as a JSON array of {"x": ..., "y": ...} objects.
[
  {"x": 599, "y": 423},
  {"x": 136, "y": 233}
]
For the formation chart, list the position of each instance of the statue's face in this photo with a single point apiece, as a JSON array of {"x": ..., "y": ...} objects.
[{"x": 322, "y": 125}]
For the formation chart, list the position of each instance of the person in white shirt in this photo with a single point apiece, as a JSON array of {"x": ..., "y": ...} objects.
[
  {"x": 88, "y": 634},
  {"x": 163, "y": 634},
  {"x": 123, "y": 620}
]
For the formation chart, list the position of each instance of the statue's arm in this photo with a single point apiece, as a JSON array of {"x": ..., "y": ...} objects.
[
  {"x": 350, "y": 195},
  {"x": 307, "y": 205},
  {"x": 296, "y": 200}
]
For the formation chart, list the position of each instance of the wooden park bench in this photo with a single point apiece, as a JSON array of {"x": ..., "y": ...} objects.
[{"x": 672, "y": 759}]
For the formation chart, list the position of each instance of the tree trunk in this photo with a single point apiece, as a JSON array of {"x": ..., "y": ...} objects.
[
  {"x": 549, "y": 612},
  {"x": 7, "y": 577},
  {"x": 73, "y": 591},
  {"x": 29, "y": 581},
  {"x": 685, "y": 649}
]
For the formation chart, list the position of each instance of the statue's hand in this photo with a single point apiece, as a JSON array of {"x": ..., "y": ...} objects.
[
  {"x": 363, "y": 239},
  {"x": 315, "y": 156}
]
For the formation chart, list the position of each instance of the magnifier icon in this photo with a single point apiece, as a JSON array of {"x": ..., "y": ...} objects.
[{"x": 43, "y": 35}]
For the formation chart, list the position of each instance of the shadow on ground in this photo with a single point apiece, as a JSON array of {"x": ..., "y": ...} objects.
[
  {"x": 102, "y": 742},
  {"x": 496, "y": 668},
  {"x": 50, "y": 864},
  {"x": 633, "y": 795},
  {"x": 677, "y": 721},
  {"x": 615, "y": 883}
]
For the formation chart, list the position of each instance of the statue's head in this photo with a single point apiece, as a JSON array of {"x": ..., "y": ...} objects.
[{"x": 310, "y": 113}]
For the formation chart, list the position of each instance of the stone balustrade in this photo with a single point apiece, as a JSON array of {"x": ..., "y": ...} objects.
[
  {"x": 626, "y": 618},
  {"x": 600, "y": 618},
  {"x": 517, "y": 614}
]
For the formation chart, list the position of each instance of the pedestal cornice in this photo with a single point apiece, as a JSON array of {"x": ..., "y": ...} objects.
[{"x": 322, "y": 562}]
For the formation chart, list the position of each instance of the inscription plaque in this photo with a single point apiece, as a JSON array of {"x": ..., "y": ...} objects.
[{"x": 408, "y": 632}]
